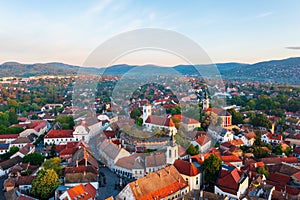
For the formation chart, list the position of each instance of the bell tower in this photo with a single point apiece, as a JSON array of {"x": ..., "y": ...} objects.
[
  {"x": 172, "y": 150},
  {"x": 205, "y": 102},
  {"x": 146, "y": 112}
]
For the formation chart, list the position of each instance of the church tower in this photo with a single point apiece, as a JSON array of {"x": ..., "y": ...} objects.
[
  {"x": 172, "y": 150},
  {"x": 205, "y": 102},
  {"x": 146, "y": 112}
]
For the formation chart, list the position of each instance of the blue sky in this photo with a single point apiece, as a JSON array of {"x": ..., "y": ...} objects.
[{"x": 68, "y": 31}]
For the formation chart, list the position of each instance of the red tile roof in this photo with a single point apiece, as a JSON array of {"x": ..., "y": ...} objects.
[
  {"x": 9, "y": 136},
  {"x": 229, "y": 180},
  {"x": 68, "y": 151},
  {"x": 109, "y": 134},
  {"x": 161, "y": 121},
  {"x": 60, "y": 134},
  {"x": 290, "y": 159},
  {"x": 202, "y": 140},
  {"x": 230, "y": 158},
  {"x": 186, "y": 168}
]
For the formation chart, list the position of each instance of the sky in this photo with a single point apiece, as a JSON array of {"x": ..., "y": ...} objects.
[{"x": 228, "y": 31}]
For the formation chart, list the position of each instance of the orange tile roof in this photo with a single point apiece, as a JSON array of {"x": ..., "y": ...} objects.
[
  {"x": 237, "y": 142},
  {"x": 186, "y": 168},
  {"x": 158, "y": 184},
  {"x": 84, "y": 192},
  {"x": 250, "y": 135}
]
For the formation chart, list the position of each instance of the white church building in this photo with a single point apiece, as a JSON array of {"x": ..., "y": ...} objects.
[{"x": 153, "y": 121}]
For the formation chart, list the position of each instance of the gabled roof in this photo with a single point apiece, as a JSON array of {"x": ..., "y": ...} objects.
[
  {"x": 84, "y": 192},
  {"x": 21, "y": 140},
  {"x": 81, "y": 154},
  {"x": 110, "y": 149},
  {"x": 250, "y": 135},
  {"x": 25, "y": 180},
  {"x": 160, "y": 121},
  {"x": 129, "y": 161},
  {"x": 159, "y": 184},
  {"x": 237, "y": 142},
  {"x": 9, "y": 136},
  {"x": 81, "y": 174},
  {"x": 228, "y": 181},
  {"x": 60, "y": 134},
  {"x": 10, "y": 163},
  {"x": 155, "y": 160},
  {"x": 202, "y": 140},
  {"x": 297, "y": 175},
  {"x": 230, "y": 158},
  {"x": 186, "y": 168},
  {"x": 274, "y": 136}
]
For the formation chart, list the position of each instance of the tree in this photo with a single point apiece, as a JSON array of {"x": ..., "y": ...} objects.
[
  {"x": 237, "y": 117},
  {"x": 193, "y": 150},
  {"x": 45, "y": 184},
  {"x": 263, "y": 171},
  {"x": 53, "y": 163},
  {"x": 135, "y": 113},
  {"x": 139, "y": 121},
  {"x": 34, "y": 158},
  {"x": 53, "y": 150},
  {"x": 12, "y": 116},
  {"x": 67, "y": 122},
  {"x": 11, "y": 152},
  {"x": 211, "y": 167},
  {"x": 260, "y": 120}
]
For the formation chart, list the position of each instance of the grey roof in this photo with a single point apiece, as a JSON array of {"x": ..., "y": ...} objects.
[
  {"x": 21, "y": 140},
  {"x": 10, "y": 163},
  {"x": 155, "y": 160},
  {"x": 110, "y": 149}
]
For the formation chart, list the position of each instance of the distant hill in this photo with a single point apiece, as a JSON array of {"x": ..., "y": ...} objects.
[{"x": 284, "y": 71}]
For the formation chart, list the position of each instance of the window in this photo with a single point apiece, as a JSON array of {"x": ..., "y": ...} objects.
[
  {"x": 170, "y": 153},
  {"x": 197, "y": 180}
]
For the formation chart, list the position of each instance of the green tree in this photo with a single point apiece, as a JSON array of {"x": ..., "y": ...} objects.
[
  {"x": 45, "y": 184},
  {"x": 53, "y": 150},
  {"x": 135, "y": 113},
  {"x": 193, "y": 150},
  {"x": 258, "y": 119},
  {"x": 263, "y": 171},
  {"x": 139, "y": 121},
  {"x": 8, "y": 154},
  {"x": 237, "y": 117},
  {"x": 34, "y": 158},
  {"x": 67, "y": 122},
  {"x": 211, "y": 167},
  {"x": 12, "y": 116}
]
